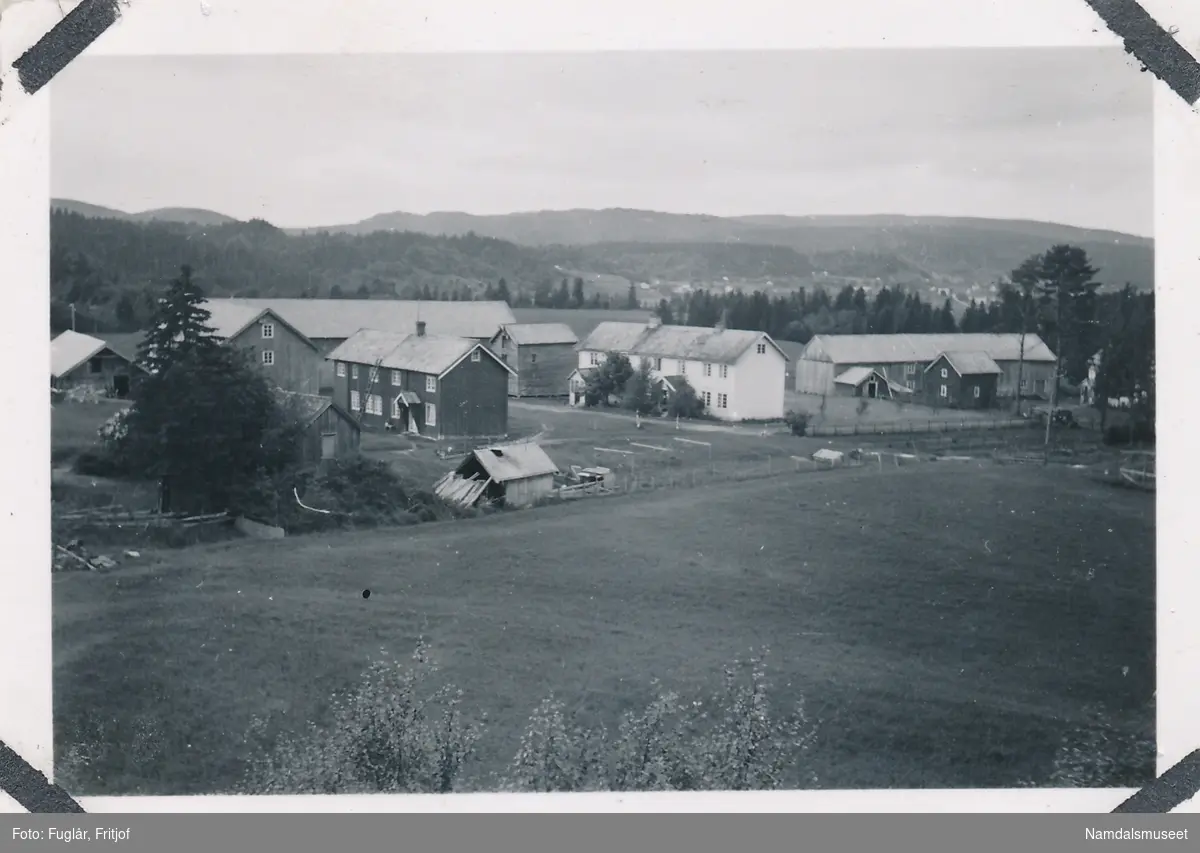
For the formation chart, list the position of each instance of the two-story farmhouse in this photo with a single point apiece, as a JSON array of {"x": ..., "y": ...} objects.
[
  {"x": 436, "y": 386},
  {"x": 540, "y": 353},
  {"x": 285, "y": 355},
  {"x": 962, "y": 380},
  {"x": 738, "y": 374},
  {"x": 330, "y": 322},
  {"x": 77, "y": 360},
  {"x": 901, "y": 360}
]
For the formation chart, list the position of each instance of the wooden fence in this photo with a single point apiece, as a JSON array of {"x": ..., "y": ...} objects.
[{"x": 917, "y": 427}]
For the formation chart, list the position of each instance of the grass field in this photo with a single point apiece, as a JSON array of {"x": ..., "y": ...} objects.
[
  {"x": 73, "y": 426},
  {"x": 948, "y": 626}
]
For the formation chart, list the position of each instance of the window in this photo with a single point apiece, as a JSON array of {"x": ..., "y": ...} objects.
[
  {"x": 268, "y": 357},
  {"x": 95, "y": 365},
  {"x": 533, "y": 358},
  {"x": 976, "y": 391},
  {"x": 910, "y": 369},
  {"x": 430, "y": 414},
  {"x": 722, "y": 401},
  {"x": 504, "y": 357},
  {"x": 373, "y": 376},
  {"x": 354, "y": 371},
  {"x": 1040, "y": 386},
  {"x": 1024, "y": 384},
  {"x": 682, "y": 367},
  {"x": 377, "y": 405},
  {"x": 593, "y": 358},
  {"x": 724, "y": 371},
  {"x": 431, "y": 384},
  {"x": 341, "y": 368},
  {"x": 476, "y": 355},
  {"x": 396, "y": 409},
  {"x": 945, "y": 373},
  {"x": 268, "y": 330},
  {"x": 707, "y": 369},
  {"x": 944, "y": 392},
  {"x": 354, "y": 404},
  {"x": 658, "y": 364},
  {"x": 707, "y": 399},
  {"x": 397, "y": 377},
  {"x": 762, "y": 349}
]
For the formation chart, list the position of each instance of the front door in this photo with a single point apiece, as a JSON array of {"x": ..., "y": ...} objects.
[
  {"x": 871, "y": 389},
  {"x": 121, "y": 385},
  {"x": 328, "y": 445}
]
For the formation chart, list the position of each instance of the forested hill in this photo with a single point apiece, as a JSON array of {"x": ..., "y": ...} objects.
[{"x": 103, "y": 259}]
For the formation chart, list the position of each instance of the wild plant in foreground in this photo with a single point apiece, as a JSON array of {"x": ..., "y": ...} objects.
[{"x": 386, "y": 736}]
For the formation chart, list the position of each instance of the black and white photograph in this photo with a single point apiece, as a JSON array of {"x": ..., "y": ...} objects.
[{"x": 602, "y": 421}]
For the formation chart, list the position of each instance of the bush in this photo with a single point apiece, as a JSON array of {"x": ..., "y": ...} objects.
[
  {"x": 797, "y": 421},
  {"x": 386, "y": 736},
  {"x": 99, "y": 463},
  {"x": 1118, "y": 434},
  {"x": 393, "y": 735}
]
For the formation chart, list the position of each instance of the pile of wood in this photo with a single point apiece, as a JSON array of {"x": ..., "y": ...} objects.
[{"x": 73, "y": 557}]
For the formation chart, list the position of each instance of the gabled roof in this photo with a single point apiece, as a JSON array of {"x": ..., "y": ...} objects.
[
  {"x": 309, "y": 407},
  {"x": 858, "y": 375},
  {"x": 695, "y": 343},
  {"x": 228, "y": 319},
  {"x": 71, "y": 349},
  {"x": 504, "y": 463},
  {"x": 529, "y": 334},
  {"x": 341, "y": 318},
  {"x": 673, "y": 382},
  {"x": 969, "y": 363},
  {"x": 125, "y": 344},
  {"x": 430, "y": 354},
  {"x": 895, "y": 349}
]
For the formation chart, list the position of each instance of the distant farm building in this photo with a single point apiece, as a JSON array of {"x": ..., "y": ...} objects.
[
  {"x": 330, "y": 322},
  {"x": 540, "y": 353},
  {"x": 330, "y": 432},
  {"x": 78, "y": 360},
  {"x": 902, "y": 361},
  {"x": 431, "y": 385},
  {"x": 577, "y": 382},
  {"x": 285, "y": 355},
  {"x": 738, "y": 374},
  {"x": 513, "y": 475},
  {"x": 962, "y": 381},
  {"x": 866, "y": 382}
]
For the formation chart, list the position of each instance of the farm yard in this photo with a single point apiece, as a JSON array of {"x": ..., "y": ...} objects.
[{"x": 987, "y": 634}]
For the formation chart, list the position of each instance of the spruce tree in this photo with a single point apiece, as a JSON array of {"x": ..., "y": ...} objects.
[{"x": 178, "y": 326}]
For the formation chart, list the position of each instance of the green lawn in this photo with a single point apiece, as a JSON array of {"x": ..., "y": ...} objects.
[
  {"x": 948, "y": 625},
  {"x": 73, "y": 426}
]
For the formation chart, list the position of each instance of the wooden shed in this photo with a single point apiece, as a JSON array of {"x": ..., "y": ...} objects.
[
  {"x": 513, "y": 475},
  {"x": 329, "y": 430},
  {"x": 962, "y": 380}
]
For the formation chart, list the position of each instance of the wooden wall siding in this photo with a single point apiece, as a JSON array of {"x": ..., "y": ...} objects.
[
  {"x": 409, "y": 381},
  {"x": 297, "y": 366},
  {"x": 325, "y": 370},
  {"x": 520, "y": 493},
  {"x": 111, "y": 366},
  {"x": 346, "y": 432},
  {"x": 960, "y": 390},
  {"x": 542, "y": 369},
  {"x": 473, "y": 400}
]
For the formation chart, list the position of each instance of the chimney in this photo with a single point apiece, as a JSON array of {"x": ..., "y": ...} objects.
[
  {"x": 720, "y": 326},
  {"x": 654, "y": 322},
  {"x": 420, "y": 328}
]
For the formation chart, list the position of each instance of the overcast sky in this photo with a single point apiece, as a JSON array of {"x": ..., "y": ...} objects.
[{"x": 1062, "y": 135}]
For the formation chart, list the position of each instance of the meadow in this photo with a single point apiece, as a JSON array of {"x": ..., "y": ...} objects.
[{"x": 947, "y": 625}]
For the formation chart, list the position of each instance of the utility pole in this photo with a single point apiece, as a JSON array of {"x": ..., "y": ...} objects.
[{"x": 1058, "y": 316}]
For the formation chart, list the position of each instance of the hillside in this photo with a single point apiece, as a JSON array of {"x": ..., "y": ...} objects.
[{"x": 399, "y": 254}]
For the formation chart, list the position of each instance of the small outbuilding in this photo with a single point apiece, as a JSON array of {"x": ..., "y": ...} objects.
[
  {"x": 513, "y": 475},
  {"x": 577, "y": 384},
  {"x": 78, "y": 360},
  {"x": 330, "y": 432},
  {"x": 863, "y": 382},
  {"x": 962, "y": 380}
]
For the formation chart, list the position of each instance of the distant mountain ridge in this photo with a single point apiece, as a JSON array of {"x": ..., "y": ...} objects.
[{"x": 937, "y": 251}]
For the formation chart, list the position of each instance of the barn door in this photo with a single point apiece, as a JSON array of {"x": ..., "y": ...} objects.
[{"x": 328, "y": 445}]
